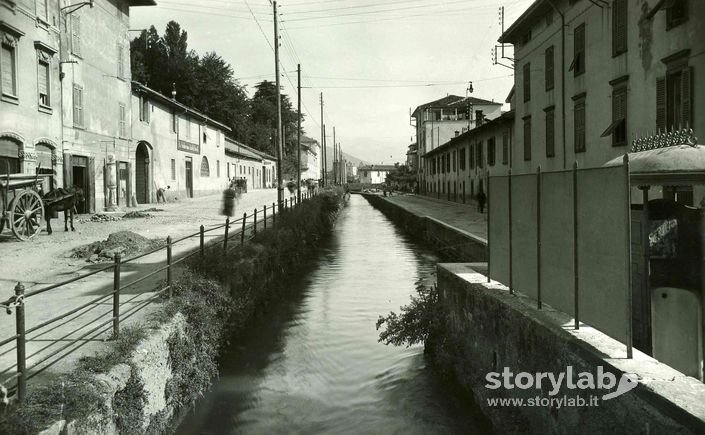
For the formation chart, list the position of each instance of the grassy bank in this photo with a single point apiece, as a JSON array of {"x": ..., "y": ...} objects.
[{"x": 214, "y": 298}]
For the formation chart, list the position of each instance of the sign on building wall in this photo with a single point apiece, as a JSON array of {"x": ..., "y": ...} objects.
[{"x": 189, "y": 147}]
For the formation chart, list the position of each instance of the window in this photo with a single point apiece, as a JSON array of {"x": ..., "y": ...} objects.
[
  {"x": 205, "y": 135},
  {"x": 173, "y": 169},
  {"x": 677, "y": 13},
  {"x": 205, "y": 169},
  {"x": 455, "y": 167},
  {"x": 549, "y": 69},
  {"x": 620, "y": 17},
  {"x": 187, "y": 128},
  {"x": 228, "y": 169},
  {"x": 578, "y": 64},
  {"x": 174, "y": 123},
  {"x": 217, "y": 168},
  {"x": 448, "y": 163},
  {"x": 122, "y": 131},
  {"x": 526, "y": 73},
  {"x": 491, "y": 152},
  {"x": 527, "y": 138},
  {"x": 144, "y": 109},
  {"x": 480, "y": 160},
  {"x": 462, "y": 159},
  {"x": 579, "y": 124},
  {"x": 550, "y": 132},
  {"x": 120, "y": 61},
  {"x": 618, "y": 128},
  {"x": 674, "y": 96},
  {"x": 471, "y": 157},
  {"x": 505, "y": 147},
  {"x": 77, "y": 106},
  {"x": 42, "y": 10},
  {"x": 8, "y": 69},
  {"x": 76, "y": 34},
  {"x": 43, "y": 82}
]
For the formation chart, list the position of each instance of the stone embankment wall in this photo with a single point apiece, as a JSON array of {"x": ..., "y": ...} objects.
[
  {"x": 146, "y": 388},
  {"x": 489, "y": 329},
  {"x": 452, "y": 243}
]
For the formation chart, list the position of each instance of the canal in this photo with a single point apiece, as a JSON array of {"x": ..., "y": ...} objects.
[{"x": 312, "y": 364}]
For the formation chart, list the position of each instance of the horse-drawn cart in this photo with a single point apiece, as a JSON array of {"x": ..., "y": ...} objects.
[{"x": 21, "y": 205}]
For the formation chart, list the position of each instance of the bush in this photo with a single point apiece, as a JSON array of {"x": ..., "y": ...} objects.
[{"x": 421, "y": 319}]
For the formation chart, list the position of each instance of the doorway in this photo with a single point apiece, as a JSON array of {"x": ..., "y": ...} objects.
[
  {"x": 189, "y": 177},
  {"x": 142, "y": 174},
  {"x": 79, "y": 177},
  {"x": 123, "y": 197}
]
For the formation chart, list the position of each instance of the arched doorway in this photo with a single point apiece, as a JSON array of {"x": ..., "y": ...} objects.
[{"x": 142, "y": 173}]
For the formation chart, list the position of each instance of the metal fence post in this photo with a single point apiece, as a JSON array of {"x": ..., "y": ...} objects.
[
  {"x": 168, "y": 265},
  {"x": 254, "y": 227},
  {"x": 274, "y": 214},
  {"x": 116, "y": 296},
  {"x": 511, "y": 241},
  {"x": 264, "y": 210},
  {"x": 628, "y": 259},
  {"x": 576, "y": 281},
  {"x": 489, "y": 223},
  {"x": 203, "y": 236},
  {"x": 227, "y": 229},
  {"x": 242, "y": 233},
  {"x": 539, "y": 302},
  {"x": 21, "y": 342}
]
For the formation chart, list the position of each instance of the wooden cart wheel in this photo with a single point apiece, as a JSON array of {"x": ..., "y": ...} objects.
[{"x": 26, "y": 214}]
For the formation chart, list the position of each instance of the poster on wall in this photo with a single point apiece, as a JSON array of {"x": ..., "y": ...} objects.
[{"x": 663, "y": 238}]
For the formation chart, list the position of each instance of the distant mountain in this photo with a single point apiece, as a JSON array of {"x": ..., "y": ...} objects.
[{"x": 355, "y": 161}]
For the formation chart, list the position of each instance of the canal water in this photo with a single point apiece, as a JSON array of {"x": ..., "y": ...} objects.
[{"x": 314, "y": 365}]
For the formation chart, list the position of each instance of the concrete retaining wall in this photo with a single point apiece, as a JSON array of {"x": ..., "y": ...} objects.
[
  {"x": 491, "y": 329},
  {"x": 453, "y": 243}
]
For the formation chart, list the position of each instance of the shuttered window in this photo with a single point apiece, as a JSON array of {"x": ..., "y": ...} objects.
[
  {"x": 205, "y": 169},
  {"x": 527, "y": 138},
  {"x": 480, "y": 160},
  {"x": 578, "y": 64},
  {"x": 77, "y": 106},
  {"x": 491, "y": 152},
  {"x": 173, "y": 169},
  {"x": 526, "y": 73},
  {"x": 579, "y": 125},
  {"x": 505, "y": 147},
  {"x": 144, "y": 109},
  {"x": 549, "y": 69},
  {"x": 76, "y": 34},
  {"x": 674, "y": 100},
  {"x": 122, "y": 124},
  {"x": 676, "y": 13},
  {"x": 619, "y": 27},
  {"x": 120, "y": 61},
  {"x": 43, "y": 83},
  {"x": 550, "y": 132},
  {"x": 42, "y": 10},
  {"x": 217, "y": 168},
  {"x": 8, "y": 70},
  {"x": 619, "y": 116}
]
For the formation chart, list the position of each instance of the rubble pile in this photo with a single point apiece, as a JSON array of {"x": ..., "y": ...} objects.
[
  {"x": 99, "y": 217},
  {"x": 136, "y": 215},
  {"x": 126, "y": 243}
]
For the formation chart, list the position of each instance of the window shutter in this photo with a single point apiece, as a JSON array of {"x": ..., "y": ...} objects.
[
  {"x": 42, "y": 9},
  {"x": 661, "y": 103},
  {"x": 43, "y": 82},
  {"x": 619, "y": 27},
  {"x": 76, "y": 34},
  {"x": 527, "y": 81},
  {"x": 549, "y": 68},
  {"x": 6, "y": 70},
  {"x": 687, "y": 95}
]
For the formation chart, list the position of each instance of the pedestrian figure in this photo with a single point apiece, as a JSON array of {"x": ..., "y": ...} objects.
[
  {"x": 161, "y": 194},
  {"x": 481, "y": 199}
]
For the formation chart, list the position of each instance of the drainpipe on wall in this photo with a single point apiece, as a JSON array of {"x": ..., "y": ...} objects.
[{"x": 563, "y": 101}]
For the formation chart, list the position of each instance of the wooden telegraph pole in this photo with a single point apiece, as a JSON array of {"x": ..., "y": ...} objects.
[
  {"x": 280, "y": 138},
  {"x": 298, "y": 137}
]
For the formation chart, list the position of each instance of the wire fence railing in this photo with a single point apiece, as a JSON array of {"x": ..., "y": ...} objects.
[{"x": 42, "y": 345}]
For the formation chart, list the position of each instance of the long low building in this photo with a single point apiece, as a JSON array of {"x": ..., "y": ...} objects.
[
  {"x": 374, "y": 174},
  {"x": 242, "y": 161}
]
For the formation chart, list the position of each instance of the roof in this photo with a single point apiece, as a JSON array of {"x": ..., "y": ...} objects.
[
  {"x": 506, "y": 117},
  {"x": 454, "y": 101},
  {"x": 143, "y": 3},
  {"x": 242, "y": 150},
  {"x": 139, "y": 88},
  {"x": 669, "y": 166},
  {"x": 381, "y": 168},
  {"x": 537, "y": 9}
]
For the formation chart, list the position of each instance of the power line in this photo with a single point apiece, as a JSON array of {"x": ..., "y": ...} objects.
[{"x": 383, "y": 11}]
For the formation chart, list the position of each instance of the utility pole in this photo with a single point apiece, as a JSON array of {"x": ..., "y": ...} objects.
[
  {"x": 280, "y": 184},
  {"x": 325, "y": 161},
  {"x": 335, "y": 159},
  {"x": 298, "y": 137},
  {"x": 323, "y": 144}
]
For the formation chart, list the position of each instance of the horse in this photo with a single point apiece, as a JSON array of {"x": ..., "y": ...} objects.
[{"x": 62, "y": 200}]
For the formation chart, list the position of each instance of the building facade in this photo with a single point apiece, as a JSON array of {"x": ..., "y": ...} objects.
[
  {"x": 630, "y": 68},
  {"x": 310, "y": 162},
  {"x": 374, "y": 174},
  {"x": 441, "y": 120},
  {"x": 243, "y": 162},
  {"x": 174, "y": 147},
  {"x": 458, "y": 170}
]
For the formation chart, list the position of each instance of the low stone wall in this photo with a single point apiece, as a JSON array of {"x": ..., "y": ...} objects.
[
  {"x": 490, "y": 329},
  {"x": 453, "y": 243}
]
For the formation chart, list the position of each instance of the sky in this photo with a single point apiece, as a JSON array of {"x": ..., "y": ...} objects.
[{"x": 374, "y": 61}]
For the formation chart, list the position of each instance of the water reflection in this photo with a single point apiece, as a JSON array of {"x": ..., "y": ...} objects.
[{"x": 314, "y": 365}]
